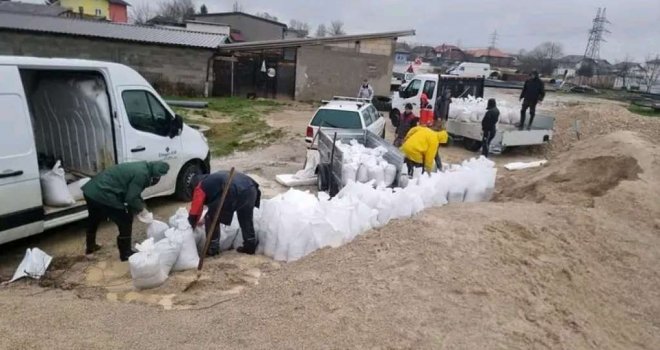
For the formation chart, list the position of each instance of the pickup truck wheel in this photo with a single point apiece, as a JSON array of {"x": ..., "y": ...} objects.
[
  {"x": 322, "y": 181},
  {"x": 184, "y": 188},
  {"x": 471, "y": 145},
  {"x": 395, "y": 116}
]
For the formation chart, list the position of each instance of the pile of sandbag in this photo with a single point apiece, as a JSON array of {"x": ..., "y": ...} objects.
[
  {"x": 362, "y": 164},
  {"x": 471, "y": 109},
  {"x": 294, "y": 224}
]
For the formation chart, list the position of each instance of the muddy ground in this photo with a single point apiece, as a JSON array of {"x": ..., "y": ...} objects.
[{"x": 565, "y": 258}]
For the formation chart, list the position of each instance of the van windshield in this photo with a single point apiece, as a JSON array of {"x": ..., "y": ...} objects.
[{"x": 331, "y": 118}]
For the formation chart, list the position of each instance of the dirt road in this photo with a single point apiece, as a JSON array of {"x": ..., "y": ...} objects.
[{"x": 566, "y": 258}]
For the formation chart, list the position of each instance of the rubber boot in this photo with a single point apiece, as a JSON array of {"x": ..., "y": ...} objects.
[
  {"x": 214, "y": 248},
  {"x": 124, "y": 246},
  {"x": 91, "y": 246},
  {"x": 249, "y": 247}
]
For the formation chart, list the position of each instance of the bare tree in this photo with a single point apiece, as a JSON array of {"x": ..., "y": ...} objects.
[
  {"x": 300, "y": 26},
  {"x": 651, "y": 72},
  {"x": 542, "y": 58},
  {"x": 624, "y": 70},
  {"x": 141, "y": 12},
  {"x": 203, "y": 10},
  {"x": 178, "y": 10},
  {"x": 237, "y": 7},
  {"x": 337, "y": 28},
  {"x": 267, "y": 15},
  {"x": 321, "y": 31}
]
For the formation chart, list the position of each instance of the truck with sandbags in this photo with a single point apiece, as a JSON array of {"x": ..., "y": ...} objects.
[{"x": 66, "y": 120}]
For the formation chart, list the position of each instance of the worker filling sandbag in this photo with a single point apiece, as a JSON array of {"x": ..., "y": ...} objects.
[{"x": 294, "y": 224}]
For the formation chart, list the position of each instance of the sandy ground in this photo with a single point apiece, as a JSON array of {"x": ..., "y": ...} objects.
[{"x": 565, "y": 258}]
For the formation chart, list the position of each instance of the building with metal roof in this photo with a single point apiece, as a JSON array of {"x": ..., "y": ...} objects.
[
  {"x": 33, "y": 9},
  {"x": 109, "y": 30}
]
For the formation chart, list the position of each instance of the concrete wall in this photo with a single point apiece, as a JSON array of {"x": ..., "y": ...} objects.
[
  {"x": 338, "y": 69},
  {"x": 253, "y": 29},
  {"x": 158, "y": 64}
]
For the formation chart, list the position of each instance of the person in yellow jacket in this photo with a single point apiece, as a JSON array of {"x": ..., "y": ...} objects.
[{"x": 420, "y": 146}]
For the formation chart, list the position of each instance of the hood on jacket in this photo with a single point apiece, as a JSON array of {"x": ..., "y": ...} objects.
[
  {"x": 158, "y": 169},
  {"x": 491, "y": 104}
]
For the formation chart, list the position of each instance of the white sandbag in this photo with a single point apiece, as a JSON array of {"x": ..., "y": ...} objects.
[
  {"x": 181, "y": 214},
  {"x": 524, "y": 165},
  {"x": 363, "y": 173},
  {"x": 376, "y": 174},
  {"x": 146, "y": 269},
  {"x": 182, "y": 234},
  {"x": 229, "y": 234},
  {"x": 155, "y": 229},
  {"x": 75, "y": 188},
  {"x": 168, "y": 251},
  {"x": 34, "y": 264},
  {"x": 389, "y": 174},
  {"x": 200, "y": 238},
  {"x": 456, "y": 192},
  {"x": 54, "y": 189},
  {"x": 348, "y": 173}
]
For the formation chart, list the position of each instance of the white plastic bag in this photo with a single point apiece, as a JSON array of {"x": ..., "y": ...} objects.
[
  {"x": 390, "y": 175},
  {"x": 155, "y": 229},
  {"x": 75, "y": 188},
  {"x": 181, "y": 213},
  {"x": 376, "y": 174},
  {"x": 168, "y": 251},
  {"x": 182, "y": 234},
  {"x": 146, "y": 268},
  {"x": 363, "y": 173},
  {"x": 348, "y": 173},
  {"x": 200, "y": 238},
  {"x": 34, "y": 264},
  {"x": 53, "y": 185}
]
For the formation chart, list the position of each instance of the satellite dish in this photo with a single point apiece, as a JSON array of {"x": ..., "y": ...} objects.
[{"x": 271, "y": 72}]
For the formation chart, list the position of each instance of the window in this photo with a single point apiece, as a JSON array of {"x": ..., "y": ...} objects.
[
  {"x": 97, "y": 12},
  {"x": 413, "y": 88},
  {"x": 429, "y": 88},
  {"x": 374, "y": 113},
  {"x": 368, "y": 117},
  {"x": 331, "y": 118},
  {"x": 145, "y": 113},
  {"x": 462, "y": 69}
]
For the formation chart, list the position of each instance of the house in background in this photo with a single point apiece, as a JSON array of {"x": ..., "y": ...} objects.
[
  {"x": 34, "y": 9},
  {"x": 401, "y": 56},
  {"x": 246, "y": 27},
  {"x": 495, "y": 57},
  {"x": 629, "y": 76},
  {"x": 191, "y": 25},
  {"x": 450, "y": 53},
  {"x": 112, "y": 10},
  {"x": 568, "y": 66}
]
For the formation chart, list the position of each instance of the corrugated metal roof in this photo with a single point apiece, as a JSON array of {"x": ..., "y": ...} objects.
[
  {"x": 109, "y": 30},
  {"x": 272, "y": 44},
  {"x": 34, "y": 9}
]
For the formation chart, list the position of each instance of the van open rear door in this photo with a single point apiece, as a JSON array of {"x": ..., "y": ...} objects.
[{"x": 21, "y": 210}]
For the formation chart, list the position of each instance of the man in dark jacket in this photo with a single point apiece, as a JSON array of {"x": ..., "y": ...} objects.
[
  {"x": 116, "y": 194},
  {"x": 489, "y": 125},
  {"x": 442, "y": 105},
  {"x": 407, "y": 121},
  {"x": 242, "y": 198},
  {"x": 533, "y": 92}
]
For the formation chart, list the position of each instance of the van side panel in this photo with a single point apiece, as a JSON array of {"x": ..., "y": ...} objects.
[{"x": 21, "y": 212}]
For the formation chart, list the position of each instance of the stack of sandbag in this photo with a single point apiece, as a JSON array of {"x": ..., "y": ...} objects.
[
  {"x": 472, "y": 109},
  {"x": 362, "y": 164},
  {"x": 147, "y": 271},
  {"x": 296, "y": 223}
]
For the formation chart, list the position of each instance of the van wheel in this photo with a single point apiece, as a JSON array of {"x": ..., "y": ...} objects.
[
  {"x": 471, "y": 145},
  {"x": 184, "y": 188},
  {"x": 395, "y": 116}
]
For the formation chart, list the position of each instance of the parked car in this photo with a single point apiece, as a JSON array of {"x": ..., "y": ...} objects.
[
  {"x": 471, "y": 69},
  {"x": 346, "y": 113},
  {"x": 90, "y": 115}
]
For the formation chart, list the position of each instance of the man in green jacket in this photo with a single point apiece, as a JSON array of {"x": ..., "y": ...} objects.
[{"x": 116, "y": 194}]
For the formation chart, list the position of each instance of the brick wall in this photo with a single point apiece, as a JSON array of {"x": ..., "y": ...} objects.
[
  {"x": 339, "y": 69},
  {"x": 163, "y": 66}
]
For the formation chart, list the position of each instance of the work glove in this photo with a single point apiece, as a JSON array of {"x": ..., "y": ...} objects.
[{"x": 145, "y": 216}]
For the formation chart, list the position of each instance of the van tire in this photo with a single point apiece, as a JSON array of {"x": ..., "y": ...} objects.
[
  {"x": 184, "y": 190},
  {"x": 471, "y": 145}
]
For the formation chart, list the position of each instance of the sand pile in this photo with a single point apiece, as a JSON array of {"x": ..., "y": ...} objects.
[{"x": 595, "y": 120}]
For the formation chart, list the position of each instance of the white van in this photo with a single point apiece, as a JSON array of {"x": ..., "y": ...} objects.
[
  {"x": 470, "y": 69},
  {"x": 90, "y": 115}
]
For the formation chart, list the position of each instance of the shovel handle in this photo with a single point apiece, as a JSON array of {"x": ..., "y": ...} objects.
[{"x": 214, "y": 223}]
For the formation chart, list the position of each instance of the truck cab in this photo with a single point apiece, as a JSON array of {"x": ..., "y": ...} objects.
[{"x": 89, "y": 115}]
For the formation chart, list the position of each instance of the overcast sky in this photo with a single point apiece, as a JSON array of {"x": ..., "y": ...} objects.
[{"x": 521, "y": 24}]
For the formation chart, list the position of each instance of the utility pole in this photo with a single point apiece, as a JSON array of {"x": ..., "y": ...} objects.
[{"x": 596, "y": 36}]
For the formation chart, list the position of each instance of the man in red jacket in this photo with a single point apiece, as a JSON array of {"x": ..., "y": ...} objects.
[{"x": 242, "y": 198}]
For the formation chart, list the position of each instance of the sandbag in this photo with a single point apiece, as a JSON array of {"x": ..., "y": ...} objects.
[
  {"x": 363, "y": 173},
  {"x": 200, "y": 238},
  {"x": 389, "y": 174},
  {"x": 182, "y": 234},
  {"x": 75, "y": 188},
  {"x": 34, "y": 264},
  {"x": 181, "y": 213},
  {"x": 155, "y": 229},
  {"x": 168, "y": 251},
  {"x": 348, "y": 173},
  {"x": 376, "y": 174},
  {"x": 145, "y": 266},
  {"x": 54, "y": 189}
]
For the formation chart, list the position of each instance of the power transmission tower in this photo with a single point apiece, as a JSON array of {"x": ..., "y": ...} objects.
[
  {"x": 493, "y": 42},
  {"x": 596, "y": 35}
]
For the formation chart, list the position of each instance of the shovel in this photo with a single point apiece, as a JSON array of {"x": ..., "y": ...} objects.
[{"x": 210, "y": 229}]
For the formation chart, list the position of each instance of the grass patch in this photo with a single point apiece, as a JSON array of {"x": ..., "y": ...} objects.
[
  {"x": 242, "y": 126},
  {"x": 645, "y": 111}
]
